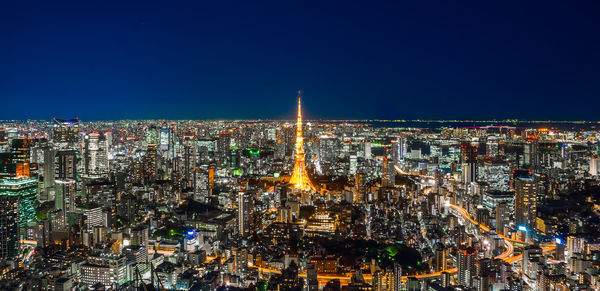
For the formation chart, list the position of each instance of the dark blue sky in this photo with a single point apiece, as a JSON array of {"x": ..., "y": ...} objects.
[{"x": 352, "y": 59}]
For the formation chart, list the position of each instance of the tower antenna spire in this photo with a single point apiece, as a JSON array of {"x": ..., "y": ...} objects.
[{"x": 299, "y": 179}]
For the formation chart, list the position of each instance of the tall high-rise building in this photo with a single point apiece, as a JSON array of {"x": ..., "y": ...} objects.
[
  {"x": 328, "y": 148},
  {"x": 201, "y": 185},
  {"x": 530, "y": 155},
  {"x": 234, "y": 159},
  {"x": 300, "y": 179},
  {"x": 21, "y": 156},
  {"x": 531, "y": 255},
  {"x": 95, "y": 155},
  {"x": 525, "y": 199},
  {"x": 466, "y": 266},
  {"x": 388, "y": 173},
  {"x": 377, "y": 281},
  {"x": 446, "y": 279},
  {"x": 189, "y": 159},
  {"x": 441, "y": 260},
  {"x": 166, "y": 141},
  {"x": 151, "y": 135},
  {"x": 397, "y": 277},
  {"x": 65, "y": 133},
  {"x": 491, "y": 146},
  {"x": 18, "y": 199},
  {"x": 150, "y": 161},
  {"x": 44, "y": 230},
  {"x": 9, "y": 225},
  {"x": 469, "y": 162},
  {"x": 243, "y": 212},
  {"x": 594, "y": 165},
  {"x": 94, "y": 217},
  {"x": 353, "y": 165},
  {"x": 66, "y": 165},
  {"x": 140, "y": 235},
  {"x": 47, "y": 175},
  {"x": 151, "y": 158},
  {"x": 64, "y": 199},
  {"x": 399, "y": 148},
  {"x": 366, "y": 150},
  {"x": 502, "y": 213}
]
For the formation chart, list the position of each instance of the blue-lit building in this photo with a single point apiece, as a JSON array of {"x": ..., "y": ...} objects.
[
  {"x": 25, "y": 189},
  {"x": 17, "y": 209}
]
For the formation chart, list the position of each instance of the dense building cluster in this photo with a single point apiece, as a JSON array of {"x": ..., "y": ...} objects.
[{"x": 286, "y": 205}]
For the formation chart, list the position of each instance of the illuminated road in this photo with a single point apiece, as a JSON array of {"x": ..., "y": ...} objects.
[
  {"x": 411, "y": 174},
  {"x": 29, "y": 242},
  {"x": 323, "y": 279}
]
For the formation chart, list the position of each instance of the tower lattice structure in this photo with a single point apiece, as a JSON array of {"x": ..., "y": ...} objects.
[{"x": 300, "y": 179}]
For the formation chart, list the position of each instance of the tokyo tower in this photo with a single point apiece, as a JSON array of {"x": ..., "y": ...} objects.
[{"x": 299, "y": 179}]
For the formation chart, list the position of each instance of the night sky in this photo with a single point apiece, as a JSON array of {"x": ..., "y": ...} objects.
[{"x": 247, "y": 59}]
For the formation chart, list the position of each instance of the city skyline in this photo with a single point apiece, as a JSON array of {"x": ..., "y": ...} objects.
[
  {"x": 299, "y": 146},
  {"x": 264, "y": 205}
]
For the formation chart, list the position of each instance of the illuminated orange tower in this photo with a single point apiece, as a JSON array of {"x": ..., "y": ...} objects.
[{"x": 299, "y": 179}]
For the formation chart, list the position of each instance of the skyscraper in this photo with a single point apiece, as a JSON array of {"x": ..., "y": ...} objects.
[
  {"x": 65, "y": 133},
  {"x": 353, "y": 165},
  {"x": 9, "y": 225},
  {"x": 166, "y": 141},
  {"x": 530, "y": 155},
  {"x": 17, "y": 209},
  {"x": 440, "y": 262},
  {"x": 189, "y": 159},
  {"x": 244, "y": 208},
  {"x": 469, "y": 162},
  {"x": 48, "y": 174},
  {"x": 139, "y": 235},
  {"x": 525, "y": 199},
  {"x": 466, "y": 266},
  {"x": 594, "y": 163},
  {"x": 388, "y": 173},
  {"x": 64, "y": 199},
  {"x": 201, "y": 186},
  {"x": 397, "y": 277},
  {"x": 300, "y": 179},
  {"x": 95, "y": 155},
  {"x": 150, "y": 160},
  {"x": 399, "y": 148},
  {"x": 18, "y": 199},
  {"x": 21, "y": 156},
  {"x": 66, "y": 165}
]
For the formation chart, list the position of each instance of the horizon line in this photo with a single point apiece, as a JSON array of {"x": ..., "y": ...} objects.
[{"x": 509, "y": 120}]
